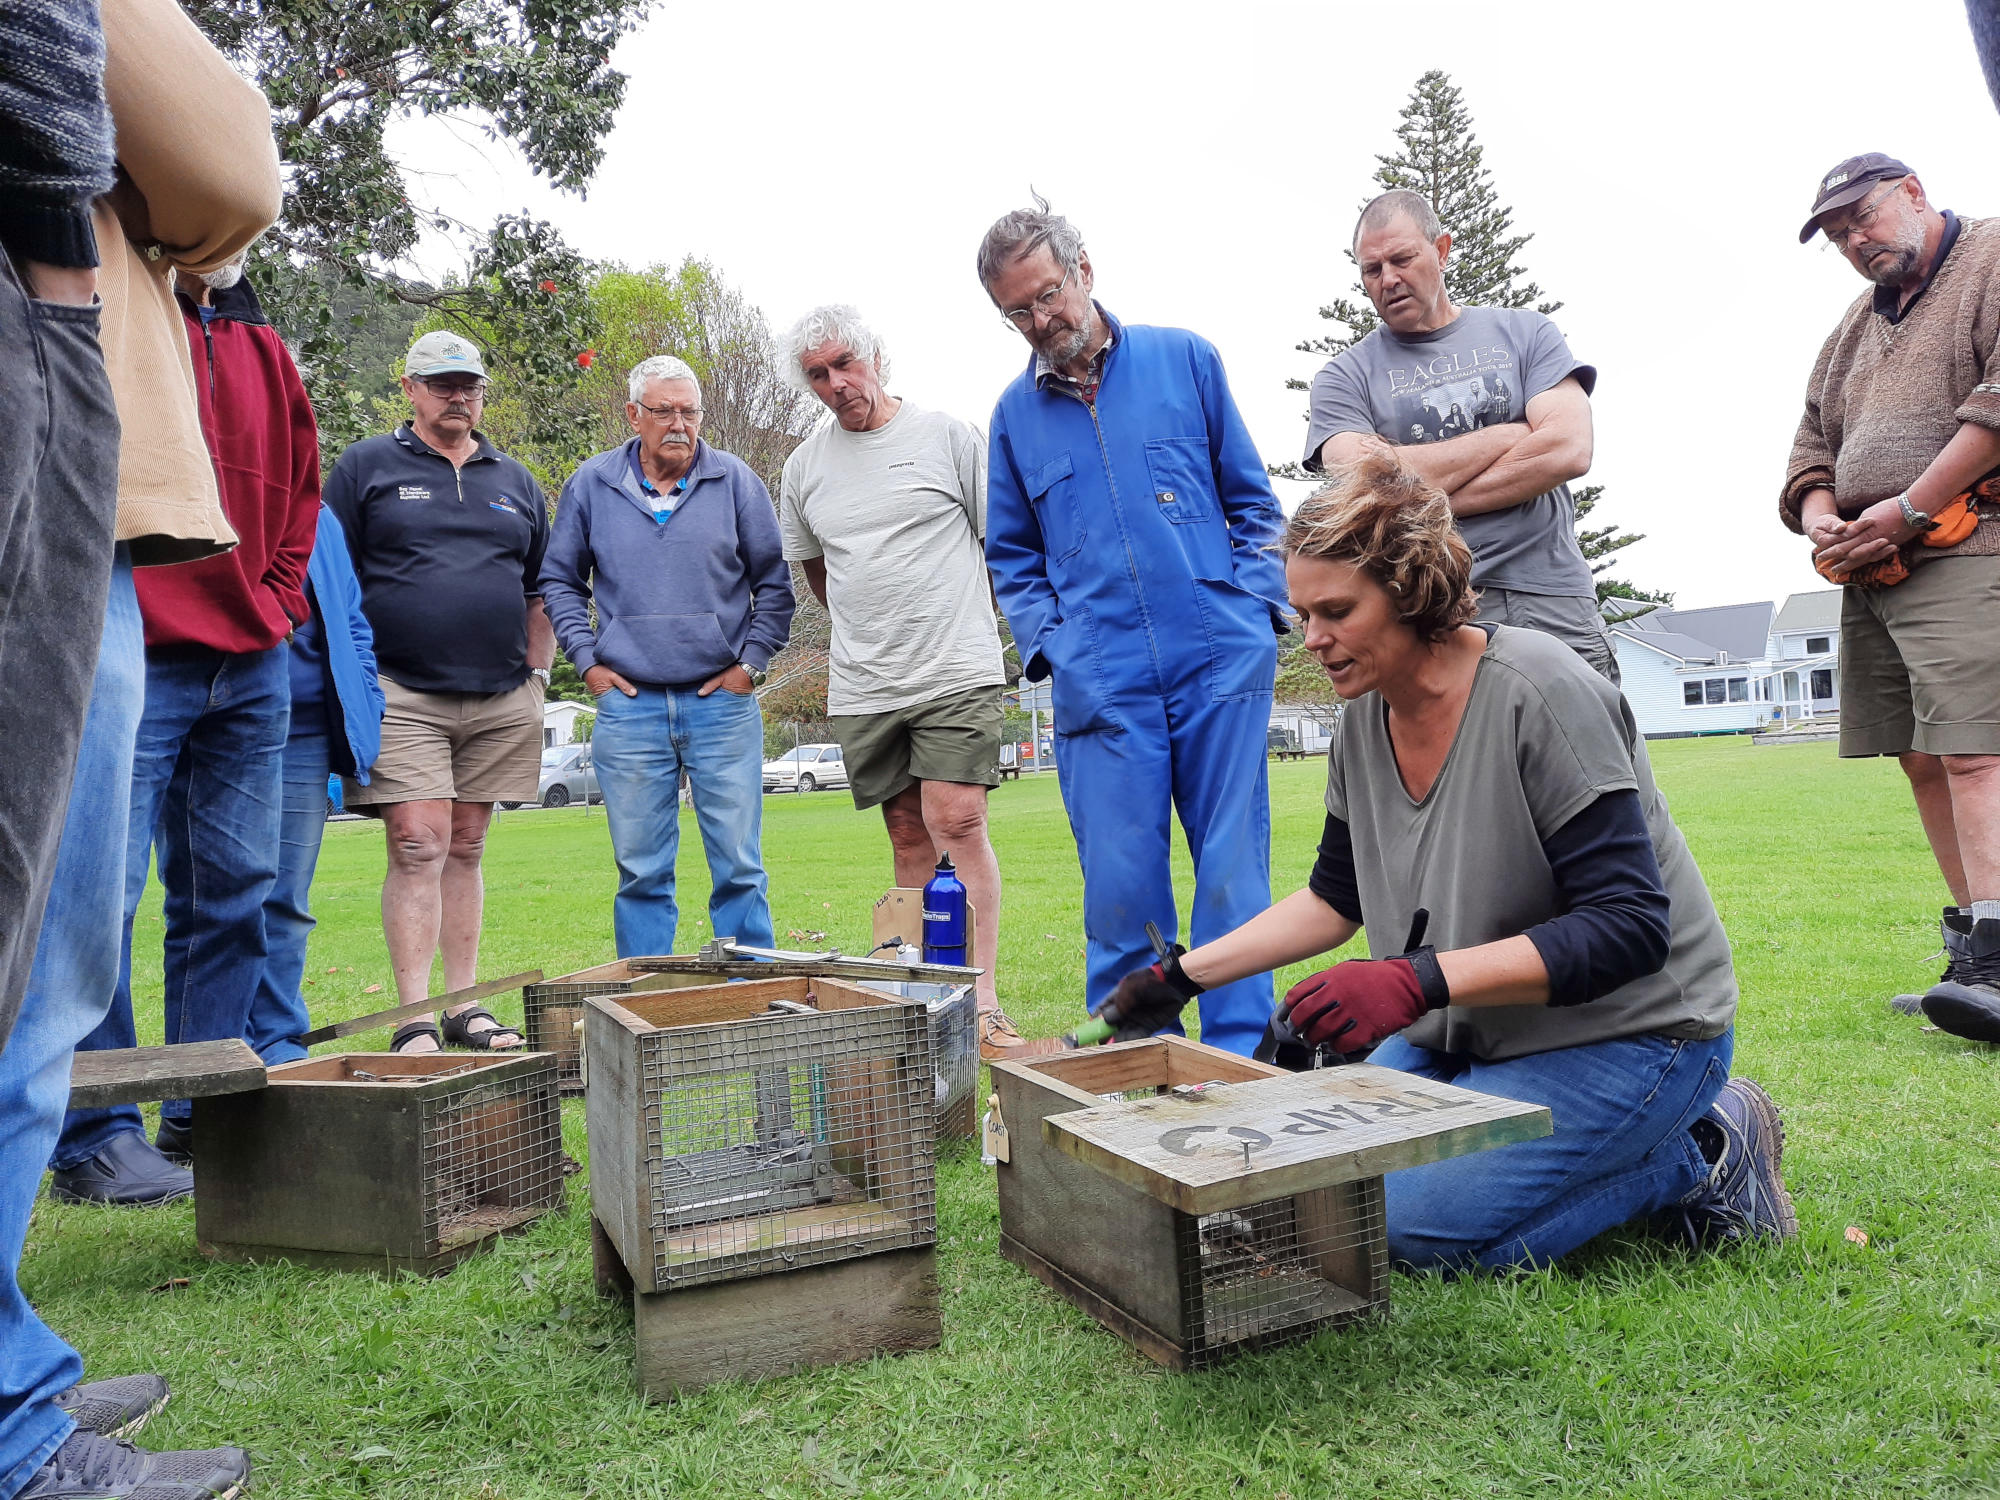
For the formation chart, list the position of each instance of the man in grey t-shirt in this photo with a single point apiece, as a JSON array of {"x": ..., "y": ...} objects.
[
  {"x": 885, "y": 509},
  {"x": 1489, "y": 405}
]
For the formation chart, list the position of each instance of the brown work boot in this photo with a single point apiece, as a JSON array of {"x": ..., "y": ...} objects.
[{"x": 1000, "y": 1042}]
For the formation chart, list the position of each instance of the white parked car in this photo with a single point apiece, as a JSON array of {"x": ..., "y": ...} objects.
[{"x": 806, "y": 769}]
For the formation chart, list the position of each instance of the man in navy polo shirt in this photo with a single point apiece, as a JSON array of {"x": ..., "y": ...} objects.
[{"x": 447, "y": 535}]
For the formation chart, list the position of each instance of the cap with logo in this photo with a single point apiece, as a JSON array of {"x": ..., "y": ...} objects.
[
  {"x": 443, "y": 354},
  {"x": 1849, "y": 183}
]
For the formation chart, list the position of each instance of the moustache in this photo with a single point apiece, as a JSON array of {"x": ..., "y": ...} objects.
[{"x": 675, "y": 439}]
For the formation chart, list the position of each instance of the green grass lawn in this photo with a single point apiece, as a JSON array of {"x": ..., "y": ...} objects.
[{"x": 1823, "y": 1368}]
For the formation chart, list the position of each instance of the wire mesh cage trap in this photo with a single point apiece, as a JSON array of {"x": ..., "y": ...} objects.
[
  {"x": 379, "y": 1160},
  {"x": 555, "y": 1007},
  {"x": 1200, "y": 1204},
  {"x": 746, "y": 1134}
]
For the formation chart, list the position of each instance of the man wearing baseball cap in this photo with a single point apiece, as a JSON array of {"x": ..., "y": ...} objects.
[
  {"x": 1893, "y": 478},
  {"x": 447, "y": 535}
]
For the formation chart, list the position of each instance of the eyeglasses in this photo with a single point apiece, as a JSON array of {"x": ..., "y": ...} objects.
[
  {"x": 1021, "y": 319},
  {"x": 446, "y": 389},
  {"x": 1864, "y": 217},
  {"x": 689, "y": 414}
]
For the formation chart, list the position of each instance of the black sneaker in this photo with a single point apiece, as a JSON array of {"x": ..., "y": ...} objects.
[
  {"x": 175, "y": 1140},
  {"x": 1969, "y": 1005},
  {"x": 115, "y": 1408},
  {"x": 1956, "y": 930},
  {"x": 128, "y": 1172},
  {"x": 89, "y": 1467},
  {"x": 1745, "y": 1197}
]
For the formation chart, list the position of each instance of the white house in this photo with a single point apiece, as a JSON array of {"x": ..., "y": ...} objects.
[
  {"x": 1733, "y": 667},
  {"x": 559, "y": 721}
]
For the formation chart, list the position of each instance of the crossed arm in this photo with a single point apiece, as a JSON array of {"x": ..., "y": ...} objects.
[{"x": 1496, "y": 467}]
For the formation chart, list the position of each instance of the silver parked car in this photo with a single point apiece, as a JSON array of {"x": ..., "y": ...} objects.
[
  {"x": 805, "y": 769},
  {"x": 567, "y": 776}
]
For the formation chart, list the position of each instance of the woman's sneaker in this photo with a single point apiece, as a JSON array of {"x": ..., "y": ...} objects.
[
  {"x": 1744, "y": 1197},
  {"x": 89, "y": 1467},
  {"x": 115, "y": 1408}
]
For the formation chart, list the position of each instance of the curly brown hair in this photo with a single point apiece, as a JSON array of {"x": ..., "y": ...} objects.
[{"x": 1396, "y": 527}]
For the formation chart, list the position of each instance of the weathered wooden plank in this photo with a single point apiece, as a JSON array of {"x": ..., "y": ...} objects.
[
  {"x": 1148, "y": 1341},
  {"x": 143, "y": 1075},
  {"x": 421, "y": 1007},
  {"x": 796, "y": 1320},
  {"x": 1245, "y": 1143},
  {"x": 615, "y": 1115}
]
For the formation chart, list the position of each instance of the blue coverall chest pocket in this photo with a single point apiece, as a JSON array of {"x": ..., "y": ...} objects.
[
  {"x": 1048, "y": 490},
  {"x": 1183, "y": 479}
]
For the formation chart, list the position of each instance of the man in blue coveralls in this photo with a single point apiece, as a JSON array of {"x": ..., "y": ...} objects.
[{"x": 1127, "y": 517}]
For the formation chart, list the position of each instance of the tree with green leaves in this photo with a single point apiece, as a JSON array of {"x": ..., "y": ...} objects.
[
  {"x": 1438, "y": 155},
  {"x": 535, "y": 74}
]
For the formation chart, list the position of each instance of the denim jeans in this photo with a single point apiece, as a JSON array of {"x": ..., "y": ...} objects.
[
  {"x": 75, "y": 971},
  {"x": 206, "y": 781},
  {"x": 640, "y": 747},
  {"x": 58, "y": 498},
  {"x": 1621, "y": 1150},
  {"x": 278, "y": 1015}
]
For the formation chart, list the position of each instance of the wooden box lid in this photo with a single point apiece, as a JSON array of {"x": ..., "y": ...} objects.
[{"x": 1234, "y": 1144}]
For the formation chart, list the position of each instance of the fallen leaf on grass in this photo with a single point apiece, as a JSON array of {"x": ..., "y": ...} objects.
[
  {"x": 373, "y": 989},
  {"x": 177, "y": 1284},
  {"x": 373, "y": 1453},
  {"x": 1856, "y": 1236},
  {"x": 334, "y": 970},
  {"x": 756, "y": 1413}
]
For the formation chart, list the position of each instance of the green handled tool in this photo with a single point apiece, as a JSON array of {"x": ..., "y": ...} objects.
[{"x": 1104, "y": 1025}]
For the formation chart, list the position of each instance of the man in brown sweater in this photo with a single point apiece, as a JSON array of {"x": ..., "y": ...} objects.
[{"x": 1902, "y": 421}]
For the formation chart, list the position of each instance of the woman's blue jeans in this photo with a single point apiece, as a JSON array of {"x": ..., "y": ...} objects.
[
  {"x": 1621, "y": 1150},
  {"x": 640, "y": 746}
]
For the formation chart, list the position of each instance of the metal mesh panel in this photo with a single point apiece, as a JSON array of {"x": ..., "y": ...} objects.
[
  {"x": 493, "y": 1157},
  {"x": 790, "y": 1140},
  {"x": 550, "y": 1012},
  {"x": 1273, "y": 1272}
]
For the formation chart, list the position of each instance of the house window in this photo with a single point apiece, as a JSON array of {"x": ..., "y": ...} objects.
[
  {"x": 1822, "y": 683},
  {"x": 1704, "y": 691},
  {"x": 1712, "y": 690},
  {"x": 1691, "y": 694},
  {"x": 1816, "y": 644},
  {"x": 1739, "y": 690}
]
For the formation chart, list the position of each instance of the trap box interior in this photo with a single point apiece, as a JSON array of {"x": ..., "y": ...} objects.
[
  {"x": 375, "y": 1161},
  {"x": 553, "y": 1009},
  {"x": 763, "y": 1175},
  {"x": 1200, "y": 1204}
]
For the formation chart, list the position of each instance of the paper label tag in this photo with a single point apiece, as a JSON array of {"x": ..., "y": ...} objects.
[{"x": 993, "y": 1135}]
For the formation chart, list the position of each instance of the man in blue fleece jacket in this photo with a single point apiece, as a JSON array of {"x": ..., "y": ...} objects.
[{"x": 677, "y": 544}]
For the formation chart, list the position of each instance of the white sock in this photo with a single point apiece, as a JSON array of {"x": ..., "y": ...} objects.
[{"x": 1986, "y": 911}]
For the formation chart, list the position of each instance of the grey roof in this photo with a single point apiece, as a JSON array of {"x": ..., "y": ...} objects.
[
  {"x": 1817, "y": 610},
  {"x": 1743, "y": 630},
  {"x": 1686, "y": 647}
]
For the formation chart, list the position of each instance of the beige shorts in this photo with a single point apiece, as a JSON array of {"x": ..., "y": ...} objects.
[
  {"x": 458, "y": 747},
  {"x": 1920, "y": 662}
]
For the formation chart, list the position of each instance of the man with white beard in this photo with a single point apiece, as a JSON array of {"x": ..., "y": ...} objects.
[{"x": 207, "y": 779}]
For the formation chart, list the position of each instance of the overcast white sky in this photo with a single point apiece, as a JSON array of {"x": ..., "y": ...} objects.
[{"x": 1214, "y": 155}]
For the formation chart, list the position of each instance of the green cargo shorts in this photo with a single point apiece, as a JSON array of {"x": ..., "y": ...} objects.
[
  {"x": 953, "y": 738},
  {"x": 1920, "y": 662}
]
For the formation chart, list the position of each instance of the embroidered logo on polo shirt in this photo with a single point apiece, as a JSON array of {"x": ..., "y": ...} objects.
[{"x": 413, "y": 492}]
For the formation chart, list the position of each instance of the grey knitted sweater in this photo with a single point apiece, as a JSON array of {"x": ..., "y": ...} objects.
[
  {"x": 55, "y": 131},
  {"x": 1885, "y": 398}
]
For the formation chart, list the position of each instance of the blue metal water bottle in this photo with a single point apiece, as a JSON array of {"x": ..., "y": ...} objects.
[{"x": 944, "y": 916}]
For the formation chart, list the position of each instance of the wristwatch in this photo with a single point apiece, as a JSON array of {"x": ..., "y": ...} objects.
[
  {"x": 541, "y": 672},
  {"x": 1913, "y": 518},
  {"x": 755, "y": 675}
]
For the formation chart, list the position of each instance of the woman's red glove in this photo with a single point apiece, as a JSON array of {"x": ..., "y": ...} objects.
[{"x": 1356, "y": 1004}]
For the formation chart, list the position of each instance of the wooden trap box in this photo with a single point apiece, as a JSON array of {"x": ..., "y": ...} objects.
[
  {"x": 374, "y": 1161},
  {"x": 1213, "y": 1204},
  {"x": 554, "y": 1007},
  {"x": 763, "y": 1179}
]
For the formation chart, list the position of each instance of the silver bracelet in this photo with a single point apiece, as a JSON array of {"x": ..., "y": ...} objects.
[{"x": 1913, "y": 518}]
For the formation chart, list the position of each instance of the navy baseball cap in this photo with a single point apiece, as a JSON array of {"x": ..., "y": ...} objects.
[{"x": 1849, "y": 183}]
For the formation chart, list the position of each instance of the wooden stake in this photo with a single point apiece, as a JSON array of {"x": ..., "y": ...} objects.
[{"x": 421, "y": 1007}]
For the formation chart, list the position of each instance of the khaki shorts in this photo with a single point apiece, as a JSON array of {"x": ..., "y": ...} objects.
[
  {"x": 458, "y": 747},
  {"x": 1920, "y": 662},
  {"x": 1571, "y": 619},
  {"x": 953, "y": 738}
]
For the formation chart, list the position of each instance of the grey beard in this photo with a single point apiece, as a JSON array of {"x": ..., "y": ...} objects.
[{"x": 225, "y": 278}]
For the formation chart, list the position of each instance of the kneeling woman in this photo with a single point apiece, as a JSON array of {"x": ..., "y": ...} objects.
[{"x": 1485, "y": 775}]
